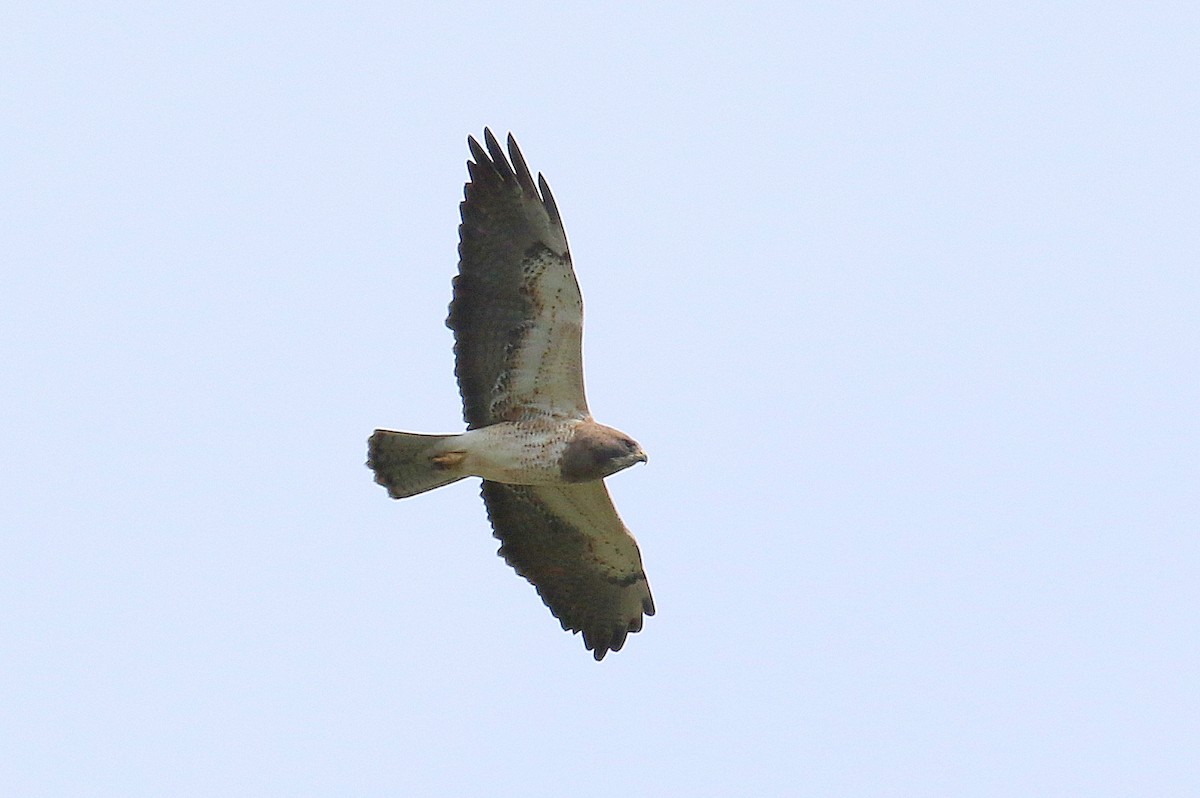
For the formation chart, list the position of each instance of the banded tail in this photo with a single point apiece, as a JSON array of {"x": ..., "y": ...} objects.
[{"x": 408, "y": 463}]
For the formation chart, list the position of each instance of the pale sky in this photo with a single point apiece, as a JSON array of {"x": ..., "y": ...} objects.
[{"x": 902, "y": 300}]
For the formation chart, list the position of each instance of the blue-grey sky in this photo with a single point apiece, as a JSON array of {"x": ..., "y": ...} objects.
[{"x": 902, "y": 300}]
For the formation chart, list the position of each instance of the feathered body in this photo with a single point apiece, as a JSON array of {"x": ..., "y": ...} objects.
[{"x": 517, "y": 317}]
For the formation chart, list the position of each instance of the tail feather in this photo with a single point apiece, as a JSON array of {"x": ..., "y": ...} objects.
[{"x": 408, "y": 463}]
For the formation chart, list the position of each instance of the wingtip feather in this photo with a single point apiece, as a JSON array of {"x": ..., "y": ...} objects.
[
  {"x": 499, "y": 161},
  {"x": 477, "y": 152},
  {"x": 522, "y": 169},
  {"x": 548, "y": 199}
]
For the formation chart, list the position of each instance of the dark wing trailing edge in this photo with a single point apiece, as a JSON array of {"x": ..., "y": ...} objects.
[
  {"x": 569, "y": 542},
  {"x": 517, "y": 314}
]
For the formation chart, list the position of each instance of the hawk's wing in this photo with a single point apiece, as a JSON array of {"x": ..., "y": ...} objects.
[
  {"x": 569, "y": 542},
  {"x": 517, "y": 314}
]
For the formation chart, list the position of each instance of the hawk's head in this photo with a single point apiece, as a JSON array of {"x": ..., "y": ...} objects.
[{"x": 596, "y": 451}]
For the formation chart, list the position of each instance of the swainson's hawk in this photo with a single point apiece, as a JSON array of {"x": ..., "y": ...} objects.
[{"x": 517, "y": 318}]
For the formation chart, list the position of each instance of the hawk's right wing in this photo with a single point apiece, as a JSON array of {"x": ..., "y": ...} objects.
[{"x": 517, "y": 314}]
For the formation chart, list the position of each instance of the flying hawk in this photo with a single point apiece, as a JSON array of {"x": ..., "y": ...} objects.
[{"x": 517, "y": 318}]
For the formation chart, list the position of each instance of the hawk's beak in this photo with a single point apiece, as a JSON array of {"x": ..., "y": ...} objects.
[{"x": 642, "y": 457}]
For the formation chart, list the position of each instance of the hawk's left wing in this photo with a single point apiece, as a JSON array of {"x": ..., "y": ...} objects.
[{"x": 570, "y": 543}]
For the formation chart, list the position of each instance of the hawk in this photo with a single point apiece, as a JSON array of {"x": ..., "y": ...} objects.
[{"x": 517, "y": 318}]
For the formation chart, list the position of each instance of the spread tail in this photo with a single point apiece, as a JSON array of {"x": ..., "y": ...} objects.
[{"x": 407, "y": 463}]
